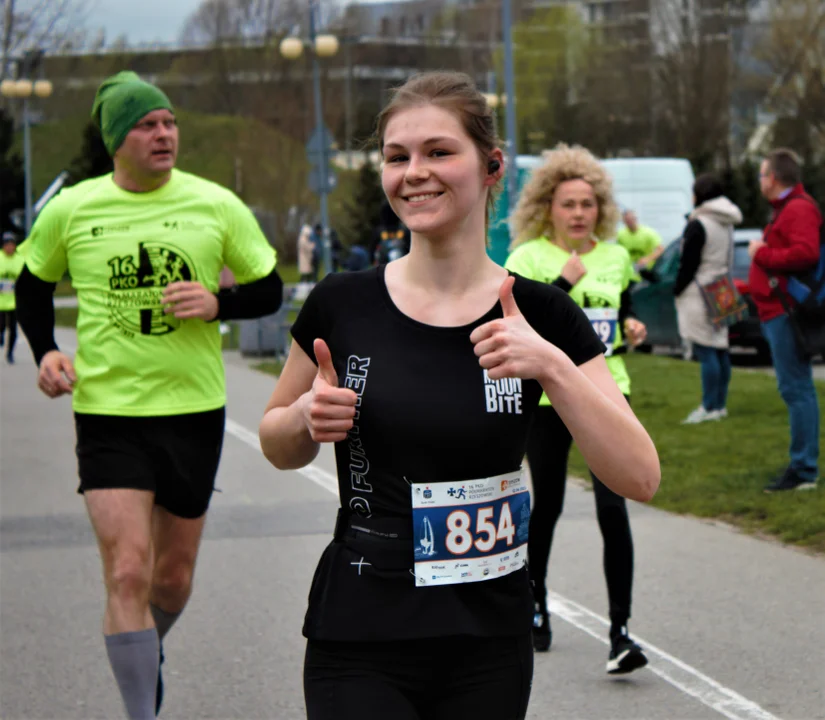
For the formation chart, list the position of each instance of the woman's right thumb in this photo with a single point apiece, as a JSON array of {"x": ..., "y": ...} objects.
[{"x": 325, "y": 367}]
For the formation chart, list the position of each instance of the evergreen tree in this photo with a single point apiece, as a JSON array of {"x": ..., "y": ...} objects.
[
  {"x": 11, "y": 175},
  {"x": 363, "y": 214},
  {"x": 93, "y": 159}
]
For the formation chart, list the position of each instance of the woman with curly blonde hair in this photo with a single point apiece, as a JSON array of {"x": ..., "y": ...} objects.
[{"x": 564, "y": 213}]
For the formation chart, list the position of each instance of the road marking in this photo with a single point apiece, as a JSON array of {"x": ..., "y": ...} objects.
[
  {"x": 312, "y": 472},
  {"x": 672, "y": 670}
]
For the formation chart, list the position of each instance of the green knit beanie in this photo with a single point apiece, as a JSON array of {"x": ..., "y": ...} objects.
[{"x": 120, "y": 102}]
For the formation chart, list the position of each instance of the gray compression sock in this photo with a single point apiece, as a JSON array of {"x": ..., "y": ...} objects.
[
  {"x": 163, "y": 620},
  {"x": 134, "y": 657}
]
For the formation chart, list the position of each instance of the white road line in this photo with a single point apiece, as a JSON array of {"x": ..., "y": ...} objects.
[
  {"x": 670, "y": 669},
  {"x": 312, "y": 472}
]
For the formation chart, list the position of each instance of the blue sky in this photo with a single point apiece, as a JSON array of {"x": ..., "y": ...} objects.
[{"x": 143, "y": 20}]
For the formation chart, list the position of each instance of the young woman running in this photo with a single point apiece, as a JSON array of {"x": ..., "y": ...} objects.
[
  {"x": 564, "y": 212},
  {"x": 425, "y": 373}
]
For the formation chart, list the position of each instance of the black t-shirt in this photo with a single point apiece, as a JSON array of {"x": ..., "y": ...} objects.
[{"x": 424, "y": 415}]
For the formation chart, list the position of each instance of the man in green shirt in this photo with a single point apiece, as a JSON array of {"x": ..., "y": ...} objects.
[
  {"x": 144, "y": 246},
  {"x": 11, "y": 264},
  {"x": 643, "y": 243}
]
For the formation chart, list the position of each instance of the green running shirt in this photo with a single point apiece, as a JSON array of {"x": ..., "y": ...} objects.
[
  {"x": 609, "y": 272},
  {"x": 121, "y": 249},
  {"x": 10, "y": 268},
  {"x": 639, "y": 244}
]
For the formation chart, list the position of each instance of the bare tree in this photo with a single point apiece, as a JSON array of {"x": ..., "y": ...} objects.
[
  {"x": 238, "y": 21},
  {"x": 241, "y": 67},
  {"x": 793, "y": 51},
  {"x": 693, "y": 74},
  {"x": 552, "y": 52},
  {"x": 49, "y": 25}
]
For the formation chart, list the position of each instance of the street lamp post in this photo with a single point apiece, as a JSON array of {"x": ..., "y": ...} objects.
[
  {"x": 510, "y": 106},
  {"x": 24, "y": 88},
  {"x": 322, "y": 46}
]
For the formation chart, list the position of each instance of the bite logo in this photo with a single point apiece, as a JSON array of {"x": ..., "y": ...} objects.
[{"x": 503, "y": 396}]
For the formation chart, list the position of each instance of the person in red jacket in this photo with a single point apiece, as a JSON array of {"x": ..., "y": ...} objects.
[{"x": 790, "y": 244}]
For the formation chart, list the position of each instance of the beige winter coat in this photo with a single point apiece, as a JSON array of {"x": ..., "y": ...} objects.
[{"x": 718, "y": 216}]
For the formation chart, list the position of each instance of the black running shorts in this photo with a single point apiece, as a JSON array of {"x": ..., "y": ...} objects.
[{"x": 176, "y": 457}]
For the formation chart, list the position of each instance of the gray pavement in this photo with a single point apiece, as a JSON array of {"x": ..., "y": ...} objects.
[{"x": 734, "y": 626}]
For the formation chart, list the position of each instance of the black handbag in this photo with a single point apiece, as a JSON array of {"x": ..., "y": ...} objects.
[{"x": 807, "y": 323}]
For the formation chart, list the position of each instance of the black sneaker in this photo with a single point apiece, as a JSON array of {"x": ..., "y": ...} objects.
[
  {"x": 159, "y": 688},
  {"x": 542, "y": 634},
  {"x": 789, "y": 480},
  {"x": 625, "y": 655}
]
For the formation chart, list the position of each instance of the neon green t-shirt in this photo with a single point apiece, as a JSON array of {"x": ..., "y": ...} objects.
[
  {"x": 10, "y": 268},
  {"x": 121, "y": 249},
  {"x": 599, "y": 292},
  {"x": 639, "y": 244}
]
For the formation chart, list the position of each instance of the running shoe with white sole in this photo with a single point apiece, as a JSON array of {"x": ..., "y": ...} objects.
[
  {"x": 625, "y": 656},
  {"x": 700, "y": 415},
  {"x": 790, "y": 480}
]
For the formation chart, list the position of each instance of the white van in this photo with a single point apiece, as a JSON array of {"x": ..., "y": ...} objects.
[{"x": 658, "y": 190}]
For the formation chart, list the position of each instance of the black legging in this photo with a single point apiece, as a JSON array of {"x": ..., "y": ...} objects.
[
  {"x": 548, "y": 447},
  {"x": 447, "y": 678},
  {"x": 8, "y": 319}
]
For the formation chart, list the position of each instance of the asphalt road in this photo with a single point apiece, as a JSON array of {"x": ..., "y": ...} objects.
[{"x": 734, "y": 626}]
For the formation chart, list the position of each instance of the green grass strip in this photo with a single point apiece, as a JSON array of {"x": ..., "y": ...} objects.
[{"x": 718, "y": 469}]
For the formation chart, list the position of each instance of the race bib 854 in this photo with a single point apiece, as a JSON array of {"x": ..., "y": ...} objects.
[{"x": 470, "y": 531}]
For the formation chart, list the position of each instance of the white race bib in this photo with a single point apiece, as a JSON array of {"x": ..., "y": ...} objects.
[
  {"x": 470, "y": 531},
  {"x": 6, "y": 286},
  {"x": 604, "y": 322}
]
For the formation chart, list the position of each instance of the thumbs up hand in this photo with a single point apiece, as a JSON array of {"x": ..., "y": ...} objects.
[
  {"x": 510, "y": 347},
  {"x": 328, "y": 410}
]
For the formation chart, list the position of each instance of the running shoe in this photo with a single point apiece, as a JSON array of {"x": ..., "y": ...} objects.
[
  {"x": 790, "y": 480},
  {"x": 159, "y": 688},
  {"x": 542, "y": 633},
  {"x": 700, "y": 415},
  {"x": 625, "y": 655}
]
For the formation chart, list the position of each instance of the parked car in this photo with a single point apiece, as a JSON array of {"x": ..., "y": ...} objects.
[{"x": 654, "y": 305}]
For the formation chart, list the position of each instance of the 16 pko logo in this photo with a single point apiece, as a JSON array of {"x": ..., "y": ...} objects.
[
  {"x": 136, "y": 288},
  {"x": 156, "y": 266}
]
